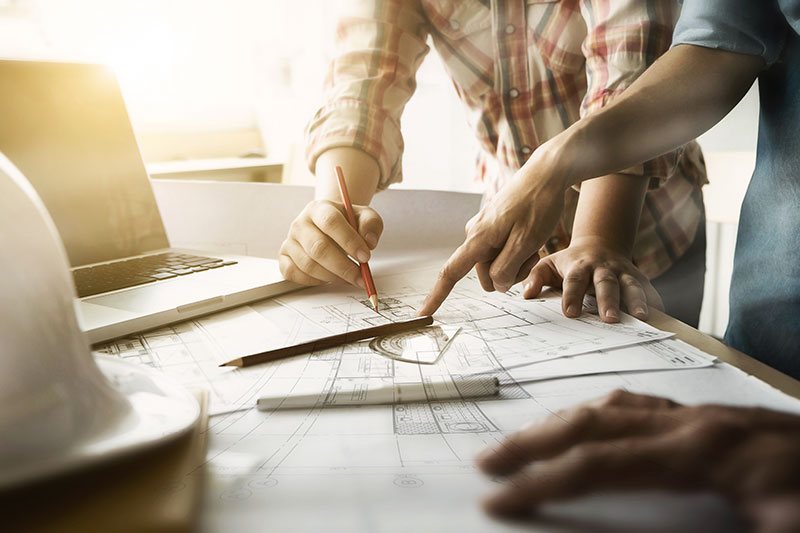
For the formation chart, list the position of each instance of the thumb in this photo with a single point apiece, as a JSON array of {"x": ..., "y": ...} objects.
[
  {"x": 542, "y": 275},
  {"x": 370, "y": 225}
]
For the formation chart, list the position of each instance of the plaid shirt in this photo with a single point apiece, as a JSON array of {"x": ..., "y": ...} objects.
[{"x": 526, "y": 71}]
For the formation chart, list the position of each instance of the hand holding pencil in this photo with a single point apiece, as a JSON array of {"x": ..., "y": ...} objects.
[{"x": 322, "y": 241}]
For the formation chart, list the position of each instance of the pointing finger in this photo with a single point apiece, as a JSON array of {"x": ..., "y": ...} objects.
[{"x": 458, "y": 266}]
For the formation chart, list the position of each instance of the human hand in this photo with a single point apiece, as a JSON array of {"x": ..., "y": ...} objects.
[
  {"x": 587, "y": 265},
  {"x": 630, "y": 441},
  {"x": 321, "y": 239},
  {"x": 504, "y": 238}
]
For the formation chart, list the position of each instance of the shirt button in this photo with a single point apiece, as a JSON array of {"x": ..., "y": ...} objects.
[
  {"x": 513, "y": 93},
  {"x": 525, "y": 149},
  {"x": 454, "y": 25},
  {"x": 510, "y": 29}
]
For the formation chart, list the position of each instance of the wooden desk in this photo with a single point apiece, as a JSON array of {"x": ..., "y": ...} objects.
[{"x": 725, "y": 353}]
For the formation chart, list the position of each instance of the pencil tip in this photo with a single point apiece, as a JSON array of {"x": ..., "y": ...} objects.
[
  {"x": 235, "y": 362},
  {"x": 374, "y": 300}
]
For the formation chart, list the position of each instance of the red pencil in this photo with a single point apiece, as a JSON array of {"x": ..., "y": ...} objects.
[{"x": 372, "y": 294}]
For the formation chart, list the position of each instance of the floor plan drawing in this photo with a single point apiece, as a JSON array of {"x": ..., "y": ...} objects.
[
  {"x": 387, "y": 456},
  {"x": 490, "y": 334}
]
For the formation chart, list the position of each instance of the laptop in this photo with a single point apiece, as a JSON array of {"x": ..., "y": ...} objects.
[{"x": 66, "y": 128}]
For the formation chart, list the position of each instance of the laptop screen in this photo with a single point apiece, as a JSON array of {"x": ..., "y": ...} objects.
[{"x": 66, "y": 128}]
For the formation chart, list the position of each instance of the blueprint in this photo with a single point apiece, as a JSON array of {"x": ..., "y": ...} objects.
[
  {"x": 491, "y": 333},
  {"x": 668, "y": 354},
  {"x": 401, "y": 468},
  {"x": 368, "y": 467}
]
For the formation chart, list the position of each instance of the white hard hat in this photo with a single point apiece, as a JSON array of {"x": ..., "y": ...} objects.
[{"x": 60, "y": 406}]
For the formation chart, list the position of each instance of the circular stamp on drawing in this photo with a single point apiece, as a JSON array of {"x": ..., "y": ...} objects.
[
  {"x": 408, "y": 482},
  {"x": 263, "y": 483}
]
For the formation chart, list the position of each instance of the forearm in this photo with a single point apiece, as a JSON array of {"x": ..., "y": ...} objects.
[
  {"x": 360, "y": 171},
  {"x": 688, "y": 90},
  {"x": 608, "y": 210}
]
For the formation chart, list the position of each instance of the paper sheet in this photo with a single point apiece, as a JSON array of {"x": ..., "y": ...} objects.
[
  {"x": 404, "y": 467},
  {"x": 379, "y": 468},
  {"x": 512, "y": 328},
  {"x": 410, "y": 467},
  {"x": 253, "y": 218},
  {"x": 498, "y": 331},
  {"x": 667, "y": 354}
]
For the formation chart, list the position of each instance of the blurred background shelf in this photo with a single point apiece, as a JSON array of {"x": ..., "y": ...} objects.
[{"x": 251, "y": 169}]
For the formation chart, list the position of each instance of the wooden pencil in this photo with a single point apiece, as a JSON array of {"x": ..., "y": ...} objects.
[
  {"x": 366, "y": 274},
  {"x": 331, "y": 341}
]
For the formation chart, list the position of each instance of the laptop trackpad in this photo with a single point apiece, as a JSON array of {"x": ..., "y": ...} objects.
[{"x": 162, "y": 296}]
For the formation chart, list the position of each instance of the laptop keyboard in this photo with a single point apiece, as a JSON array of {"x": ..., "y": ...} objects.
[{"x": 132, "y": 272}]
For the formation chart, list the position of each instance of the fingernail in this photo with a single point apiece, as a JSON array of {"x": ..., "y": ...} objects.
[
  {"x": 362, "y": 256},
  {"x": 526, "y": 287},
  {"x": 371, "y": 239},
  {"x": 612, "y": 314},
  {"x": 640, "y": 312},
  {"x": 572, "y": 310},
  {"x": 501, "y": 288}
]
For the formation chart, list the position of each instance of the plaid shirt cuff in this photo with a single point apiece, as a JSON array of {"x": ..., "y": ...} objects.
[{"x": 355, "y": 124}]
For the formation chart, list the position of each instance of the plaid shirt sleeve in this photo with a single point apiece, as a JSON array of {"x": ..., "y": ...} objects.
[
  {"x": 379, "y": 47},
  {"x": 623, "y": 39}
]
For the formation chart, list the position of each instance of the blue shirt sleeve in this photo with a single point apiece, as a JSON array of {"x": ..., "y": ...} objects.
[{"x": 752, "y": 27}]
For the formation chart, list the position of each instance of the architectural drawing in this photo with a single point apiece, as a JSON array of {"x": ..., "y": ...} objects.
[
  {"x": 498, "y": 331},
  {"x": 387, "y": 457}
]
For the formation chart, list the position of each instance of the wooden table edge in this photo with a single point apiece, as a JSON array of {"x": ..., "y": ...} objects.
[{"x": 742, "y": 361}]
